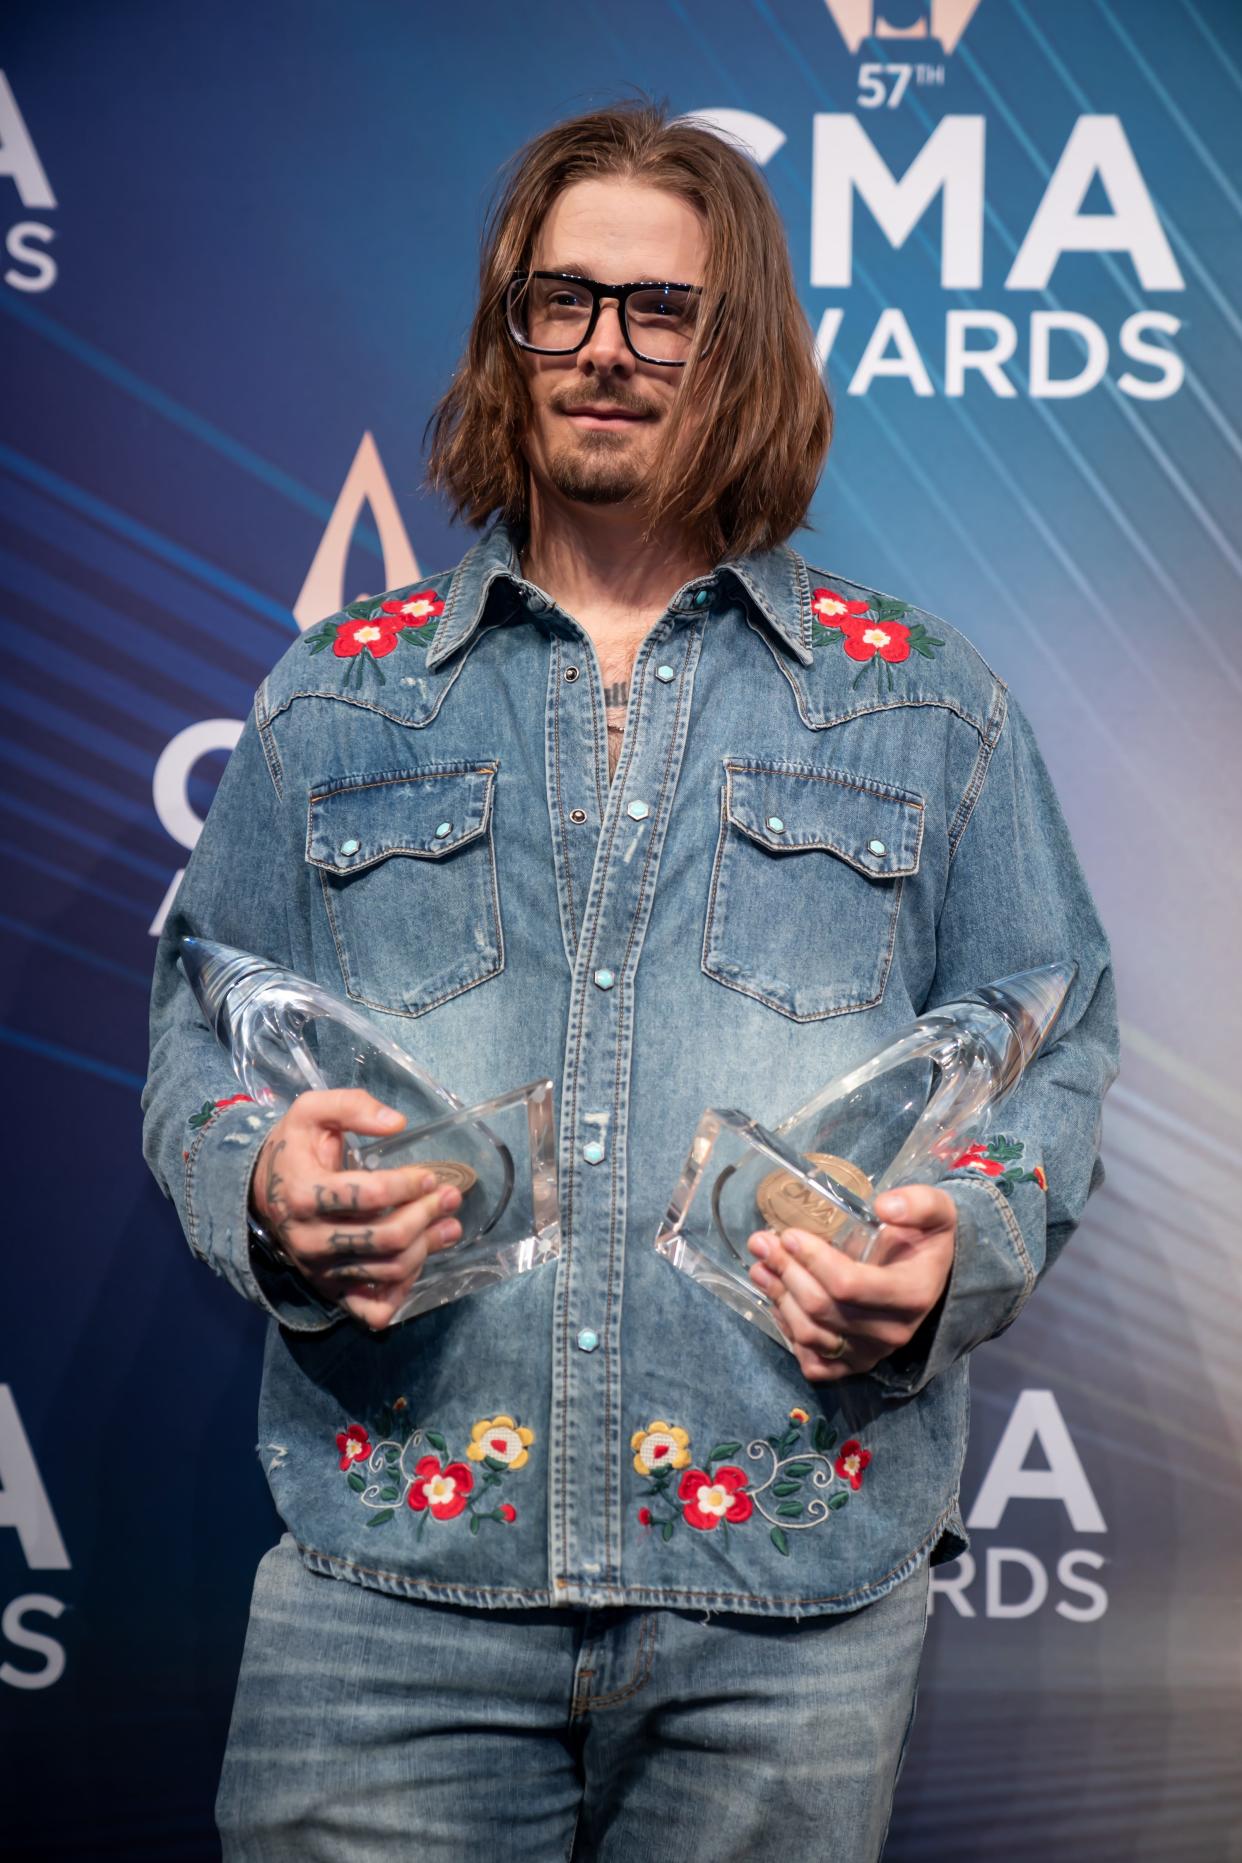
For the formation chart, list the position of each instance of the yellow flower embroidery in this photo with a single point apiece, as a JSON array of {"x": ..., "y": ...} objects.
[
  {"x": 798, "y": 1415},
  {"x": 660, "y": 1445},
  {"x": 501, "y": 1439}
]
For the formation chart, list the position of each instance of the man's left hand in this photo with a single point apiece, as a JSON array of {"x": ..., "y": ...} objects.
[{"x": 843, "y": 1316}]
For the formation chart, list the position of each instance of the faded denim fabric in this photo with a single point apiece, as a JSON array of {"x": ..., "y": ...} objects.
[
  {"x": 749, "y": 968},
  {"x": 365, "y": 1729}
]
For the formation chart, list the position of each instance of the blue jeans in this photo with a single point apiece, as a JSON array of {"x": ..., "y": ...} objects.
[{"x": 369, "y": 1726}]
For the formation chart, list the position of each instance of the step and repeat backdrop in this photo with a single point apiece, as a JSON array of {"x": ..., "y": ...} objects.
[{"x": 238, "y": 257}]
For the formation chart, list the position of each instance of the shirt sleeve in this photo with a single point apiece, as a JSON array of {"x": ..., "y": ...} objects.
[
  {"x": 245, "y": 885},
  {"x": 1017, "y": 898}
]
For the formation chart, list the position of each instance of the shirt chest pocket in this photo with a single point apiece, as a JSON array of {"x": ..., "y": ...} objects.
[
  {"x": 806, "y": 885},
  {"x": 408, "y": 873}
]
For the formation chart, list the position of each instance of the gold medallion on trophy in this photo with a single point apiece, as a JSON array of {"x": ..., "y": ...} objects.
[
  {"x": 450, "y": 1171},
  {"x": 787, "y": 1203}
]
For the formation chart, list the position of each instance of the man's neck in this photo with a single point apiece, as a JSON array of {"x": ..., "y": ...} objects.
[{"x": 595, "y": 564}]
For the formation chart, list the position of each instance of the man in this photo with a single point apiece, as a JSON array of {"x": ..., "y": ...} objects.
[{"x": 602, "y": 1610}]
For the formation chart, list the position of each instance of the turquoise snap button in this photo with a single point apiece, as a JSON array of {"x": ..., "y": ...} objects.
[
  {"x": 665, "y": 673},
  {"x": 593, "y": 1152},
  {"x": 350, "y": 847},
  {"x": 637, "y": 811},
  {"x": 702, "y": 598},
  {"x": 604, "y": 979},
  {"x": 587, "y": 1340},
  {"x": 876, "y": 847},
  {"x": 776, "y": 824},
  {"x": 443, "y": 829}
]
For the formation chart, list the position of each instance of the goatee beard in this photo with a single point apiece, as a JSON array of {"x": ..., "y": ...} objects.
[{"x": 594, "y": 472}]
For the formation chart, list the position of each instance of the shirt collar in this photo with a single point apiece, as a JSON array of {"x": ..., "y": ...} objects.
[{"x": 773, "y": 583}]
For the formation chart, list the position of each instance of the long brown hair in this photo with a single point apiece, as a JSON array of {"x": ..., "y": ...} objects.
[{"x": 750, "y": 426}]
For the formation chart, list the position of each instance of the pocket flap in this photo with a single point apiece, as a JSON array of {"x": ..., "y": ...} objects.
[
  {"x": 426, "y": 812},
  {"x": 876, "y": 828}
]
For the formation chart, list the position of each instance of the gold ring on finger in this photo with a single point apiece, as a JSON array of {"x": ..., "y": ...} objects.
[{"x": 832, "y": 1352}]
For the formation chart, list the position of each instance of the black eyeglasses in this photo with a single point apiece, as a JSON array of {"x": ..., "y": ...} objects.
[{"x": 555, "y": 313}]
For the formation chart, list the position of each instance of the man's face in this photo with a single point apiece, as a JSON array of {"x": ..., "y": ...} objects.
[{"x": 596, "y": 416}]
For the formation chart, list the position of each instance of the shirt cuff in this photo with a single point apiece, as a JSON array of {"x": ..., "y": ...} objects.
[
  {"x": 990, "y": 1281},
  {"x": 218, "y": 1168}
]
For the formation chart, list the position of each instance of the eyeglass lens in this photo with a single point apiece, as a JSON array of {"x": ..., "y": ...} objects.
[{"x": 553, "y": 314}]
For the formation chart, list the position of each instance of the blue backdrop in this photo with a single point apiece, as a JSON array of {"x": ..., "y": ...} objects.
[{"x": 239, "y": 250}]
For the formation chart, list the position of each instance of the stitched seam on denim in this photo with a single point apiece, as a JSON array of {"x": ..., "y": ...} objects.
[
  {"x": 649, "y": 862},
  {"x": 643, "y": 1662},
  {"x": 386, "y": 1008},
  {"x": 612, "y": 1550},
  {"x": 423, "y": 774},
  {"x": 271, "y": 755},
  {"x": 444, "y": 627},
  {"x": 368, "y": 705},
  {"x": 843, "y": 779},
  {"x": 1016, "y": 1239},
  {"x": 601, "y": 802},
  {"x": 881, "y": 792},
  {"x": 646, "y": 1593},
  {"x": 191, "y": 1218},
  {"x": 978, "y": 775},
  {"x": 560, "y": 800},
  {"x": 408, "y": 1578}
]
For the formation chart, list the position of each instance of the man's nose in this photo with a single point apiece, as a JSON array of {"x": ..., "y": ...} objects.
[{"x": 607, "y": 353}]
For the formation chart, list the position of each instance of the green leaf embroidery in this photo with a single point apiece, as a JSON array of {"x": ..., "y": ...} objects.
[
  {"x": 666, "y": 1531},
  {"x": 390, "y": 1494},
  {"x": 355, "y": 1481},
  {"x": 797, "y": 1470},
  {"x": 823, "y": 1438},
  {"x": 786, "y": 1487},
  {"x": 778, "y": 1539},
  {"x": 474, "y": 1523},
  {"x": 722, "y": 1451},
  {"x": 790, "y": 1510},
  {"x": 385, "y": 1513},
  {"x": 490, "y": 1461},
  {"x": 436, "y": 1440},
  {"x": 837, "y": 1500}
]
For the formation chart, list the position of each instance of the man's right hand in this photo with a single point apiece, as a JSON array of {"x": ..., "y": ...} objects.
[{"x": 359, "y": 1238}]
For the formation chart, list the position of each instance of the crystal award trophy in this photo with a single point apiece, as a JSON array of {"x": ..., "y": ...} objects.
[
  {"x": 904, "y": 1115},
  {"x": 286, "y": 1035}
]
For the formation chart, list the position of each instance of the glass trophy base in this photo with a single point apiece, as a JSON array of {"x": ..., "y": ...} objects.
[
  {"x": 739, "y": 1177},
  {"x": 903, "y": 1115},
  {"x": 501, "y": 1156},
  {"x": 287, "y": 1035}
]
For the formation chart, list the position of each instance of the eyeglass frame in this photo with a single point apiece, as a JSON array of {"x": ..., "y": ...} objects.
[{"x": 598, "y": 292}]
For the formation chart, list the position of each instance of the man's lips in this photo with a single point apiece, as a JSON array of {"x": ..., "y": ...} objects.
[{"x": 603, "y": 415}]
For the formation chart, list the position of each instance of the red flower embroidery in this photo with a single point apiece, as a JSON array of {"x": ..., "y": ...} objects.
[
  {"x": 975, "y": 1158},
  {"x": 889, "y": 639},
  {"x": 354, "y": 1445},
  {"x": 233, "y": 1100},
  {"x": 376, "y": 637},
  {"x": 507, "y": 1510},
  {"x": 851, "y": 1462},
  {"x": 712, "y": 1498},
  {"x": 834, "y": 610},
  {"x": 442, "y": 1490},
  {"x": 415, "y": 610},
  {"x": 644, "y": 1516},
  {"x": 1040, "y": 1176}
]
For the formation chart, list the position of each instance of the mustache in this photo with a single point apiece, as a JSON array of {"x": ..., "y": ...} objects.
[{"x": 622, "y": 399}]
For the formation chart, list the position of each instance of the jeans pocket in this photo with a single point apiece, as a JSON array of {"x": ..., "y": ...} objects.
[
  {"x": 407, "y": 867},
  {"x": 806, "y": 885}
]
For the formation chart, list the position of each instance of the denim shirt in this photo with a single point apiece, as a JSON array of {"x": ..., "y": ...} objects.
[{"x": 602, "y": 1431}]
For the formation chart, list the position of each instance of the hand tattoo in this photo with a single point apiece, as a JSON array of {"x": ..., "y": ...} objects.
[
  {"x": 329, "y": 1202},
  {"x": 358, "y": 1242}
]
